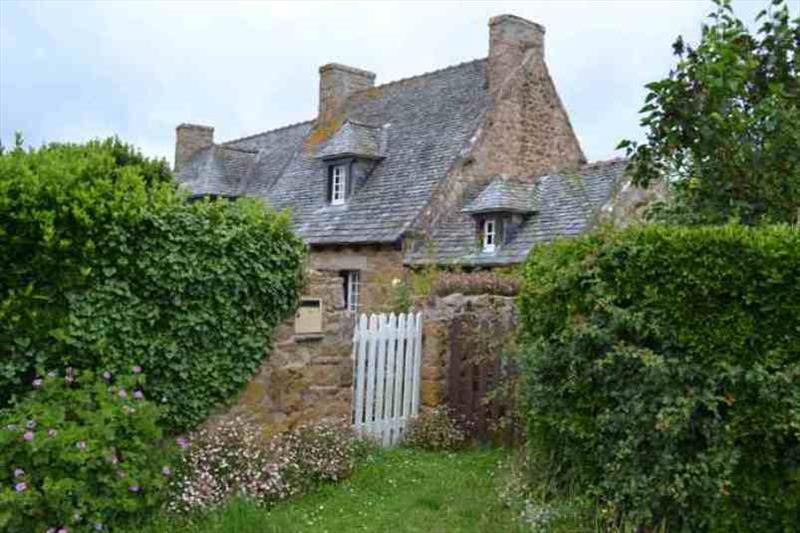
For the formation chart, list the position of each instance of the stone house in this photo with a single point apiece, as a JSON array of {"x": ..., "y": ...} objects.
[{"x": 469, "y": 165}]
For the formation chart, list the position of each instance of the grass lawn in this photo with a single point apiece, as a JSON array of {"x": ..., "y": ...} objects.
[{"x": 398, "y": 490}]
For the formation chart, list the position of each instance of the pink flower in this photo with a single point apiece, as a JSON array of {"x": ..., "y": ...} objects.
[
  {"x": 114, "y": 459},
  {"x": 28, "y": 435},
  {"x": 139, "y": 395},
  {"x": 18, "y": 472},
  {"x": 19, "y": 487},
  {"x": 81, "y": 445},
  {"x": 137, "y": 369},
  {"x": 106, "y": 375},
  {"x": 167, "y": 471},
  {"x": 63, "y": 530},
  {"x": 122, "y": 393}
]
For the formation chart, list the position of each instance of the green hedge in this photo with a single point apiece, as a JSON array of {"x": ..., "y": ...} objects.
[
  {"x": 104, "y": 267},
  {"x": 661, "y": 374}
]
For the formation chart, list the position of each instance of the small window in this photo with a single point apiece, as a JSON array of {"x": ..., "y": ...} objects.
[
  {"x": 351, "y": 283},
  {"x": 338, "y": 185},
  {"x": 489, "y": 235}
]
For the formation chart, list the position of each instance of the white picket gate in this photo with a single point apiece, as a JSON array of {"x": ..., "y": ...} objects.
[{"x": 387, "y": 350}]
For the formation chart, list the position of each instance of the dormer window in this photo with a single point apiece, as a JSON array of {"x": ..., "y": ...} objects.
[
  {"x": 489, "y": 235},
  {"x": 338, "y": 184}
]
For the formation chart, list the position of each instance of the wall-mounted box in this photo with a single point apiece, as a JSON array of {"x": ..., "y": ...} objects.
[{"x": 308, "y": 320}]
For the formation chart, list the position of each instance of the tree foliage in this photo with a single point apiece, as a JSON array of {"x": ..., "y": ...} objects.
[
  {"x": 660, "y": 370},
  {"x": 106, "y": 265},
  {"x": 723, "y": 129}
]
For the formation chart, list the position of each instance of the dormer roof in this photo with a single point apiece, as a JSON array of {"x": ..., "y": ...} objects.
[
  {"x": 353, "y": 139},
  {"x": 504, "y": 195}
]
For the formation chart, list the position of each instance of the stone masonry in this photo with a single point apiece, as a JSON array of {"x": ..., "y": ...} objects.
[{"x": 309, "y": 378}]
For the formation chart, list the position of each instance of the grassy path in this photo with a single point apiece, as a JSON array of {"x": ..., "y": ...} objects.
[{"x": 395, "y": 491}]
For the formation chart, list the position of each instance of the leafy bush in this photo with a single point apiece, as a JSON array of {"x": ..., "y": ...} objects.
[
  {"x": 232, "y": 458},
  {"x": 80, "y": 452},
  {"x": 660, "y": 371},
  {"x": 107, "y": 263},
  {"x": 436, "y": 429}
]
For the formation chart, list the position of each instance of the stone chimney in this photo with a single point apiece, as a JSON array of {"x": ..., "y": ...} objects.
[
  {"x": 512, "y": 41},
  {"x": 527, "y": 130},
  {"x": 336, "y": 83},
  {"x": 190, "y": 139}
]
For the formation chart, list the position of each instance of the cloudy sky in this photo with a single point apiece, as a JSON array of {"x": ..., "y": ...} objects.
[{"x": 74, "y": 70}]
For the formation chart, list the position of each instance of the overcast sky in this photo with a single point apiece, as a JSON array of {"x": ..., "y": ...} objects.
[{"x": 72, "y": 70}]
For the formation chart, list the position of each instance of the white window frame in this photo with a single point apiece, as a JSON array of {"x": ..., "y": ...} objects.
[
  {"x": 338, "y": 184},
  {"x": 352, "y": 291},
  {"x": 490, "y": 235}
]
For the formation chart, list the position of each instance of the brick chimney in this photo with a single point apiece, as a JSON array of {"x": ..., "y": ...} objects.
[
  {"x": 512, "y": 40},
  {"x": 336, "y": 83},
  {"x": 190, "y": 139}
]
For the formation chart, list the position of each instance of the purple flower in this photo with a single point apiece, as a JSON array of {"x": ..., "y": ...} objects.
[
  {"x": 106, "y": 375},
  {"x": 98, "y": 526},
  {"x": 63, "y": 530},
  {"x": 139, "y": 395},
  {"x": 182, "y": 442},
  {"x": 18, "y": 472},
  {"x": 134, "y": 488},
  {"x": 122, "y": 393},
  {"x": 37, "y": 382},
  {"x": 19, "y": 487},
  {"x": 52, "y": 432},
  {"x": 28, "y": 435},
  {"x": 167, "y": 471},
  {"x": 137, "y": 369},
  {"x": 81, "y": 445}
]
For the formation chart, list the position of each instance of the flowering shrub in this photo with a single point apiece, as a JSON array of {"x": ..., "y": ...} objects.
[
  {"x": 80, "y": 452},
  {"x": 437, "y": 429},
  {"x": 232, "y": 458},
  {"x": 218, "y": 462}
]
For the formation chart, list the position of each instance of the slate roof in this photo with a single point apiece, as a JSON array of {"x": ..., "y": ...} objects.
[
  {"x": 565, "y": 204},
  {"x": 353, "y": 138},
  {"x": 423, "y": 124},
  {"x": 504, "y": 194}
]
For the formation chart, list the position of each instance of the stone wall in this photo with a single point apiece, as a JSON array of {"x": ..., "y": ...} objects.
[
  {"x": 496, "y": 317},
  {"x": 309, "y": 377}
]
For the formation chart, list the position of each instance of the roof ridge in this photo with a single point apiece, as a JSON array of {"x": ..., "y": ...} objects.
[
  {"x": 429, "y": 73},
  {"x": 274, "y": 130}
]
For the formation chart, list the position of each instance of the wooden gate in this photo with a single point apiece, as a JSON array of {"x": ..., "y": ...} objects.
[
  {"x": 387, "y": 351},
  {"x": 477, "y": 377}
]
